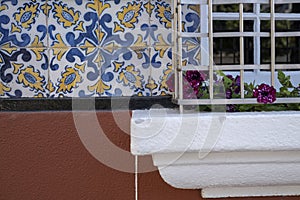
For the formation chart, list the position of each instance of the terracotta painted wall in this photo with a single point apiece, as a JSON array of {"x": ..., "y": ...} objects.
[{"x": 42, "y": 157}]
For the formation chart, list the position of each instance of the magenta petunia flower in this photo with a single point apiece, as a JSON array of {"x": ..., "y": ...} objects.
[
  {"x": 237, "y": 85},
  {"x": 189, "y": 92},
  {"x": 234, "y": 87},
  {"x": 170, "y": 82},
  {"x": 228, "y": 94},
  {"x": 265, "y": 93},
  {"x": 195, "y": 78}
]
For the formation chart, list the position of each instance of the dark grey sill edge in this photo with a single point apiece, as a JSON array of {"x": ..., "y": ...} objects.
[{"x": 102, "y": 103}]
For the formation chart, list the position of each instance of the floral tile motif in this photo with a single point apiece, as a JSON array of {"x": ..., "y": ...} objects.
[
  {"x": 23, "y": 23},
  {"x": 74, "y": 72},
  {"x": 191, "y": 18},
  {"x": 24, "y": 72},
  {"x": 75, "y": 48},
  {"x": 73, "y": 23},
  {"x": 126, "y": 72},
  {"x": 161, "y": 22},
  {"x": 124, "y": 23},
  {"x": 161, "y": 69},
  {"x": 191, "y": 52},
  {"x": 191, "y": 46}
]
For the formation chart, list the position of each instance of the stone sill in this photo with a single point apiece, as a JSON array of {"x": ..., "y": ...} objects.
[{"x": 224, "y": 154}]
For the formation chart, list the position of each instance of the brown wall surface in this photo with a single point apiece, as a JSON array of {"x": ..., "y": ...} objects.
[{"x": 42, "y": 157}]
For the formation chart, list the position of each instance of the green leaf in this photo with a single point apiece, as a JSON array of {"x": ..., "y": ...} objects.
[
  {"x": 284, "y": 80},
  {"x": 246, "y": 107},
  {"x": 281, "y": 76}
]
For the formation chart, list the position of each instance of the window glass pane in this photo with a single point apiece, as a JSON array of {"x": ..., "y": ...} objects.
[
  {"x": 232, "y": 26},
  {"x": 265, "y": 26},
  {"x": 287, "y": 8},
  {"x": 226, "y": 26},
  {"x": 226, "y": 50},
  {"x": 265, "y": 8},
  {"x": 248, "y": 50},
  {"x": 281, "y": 8},
  {"x": 287, "y": 50},
  {"x": 226, "y": 8},
  {"x": 248, "y": 7},
  {"x": 232, "y": 8},
  {"x": 265, "y": 50},
  {"x": 248, "y": 25},
  {"x": 285, "y": 25}
]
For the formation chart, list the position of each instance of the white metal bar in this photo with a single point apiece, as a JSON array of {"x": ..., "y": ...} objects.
[
  {"x": 286, "y": 1},
  {"x": 254, "y": 34},
  {"x": 190, "y": 35},
  {"x": 204, "y": 40},
  {"x": 241, "y": 7},
  {"x": 287, "y": 34},
  {"x": 190, "y": 67},
  {"x": 175, "y": 47},
  {"x": 239, "y": 34},
  {"x": 242, "y": 67},
  {"x": 231, "y": 101},
  {"x": 179, "y": 64},
  {"x": 211, "y": 49},
  {"x": 216, "y": 2},
  {"x": 256, "y": 29},
  {"x": 256, "y": 67},
  {"x": 253, "y": 16},
  {"x": 287, "y": 66},
  {"x": 273, "y": 47}
]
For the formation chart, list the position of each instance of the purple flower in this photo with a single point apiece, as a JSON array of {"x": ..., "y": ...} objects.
[
  {"x": 228, "y": 94},
  {"x": 230, "y": 77},
  {"x": 195, "y": 78},
  {"x": 234, "y": 87},
  {"x": 230, "y": 108},
  {"x": 237, "y": 85},
  {"x": 265, "y": 93},
  {"x": 170, "y": 82},
  {"x": 188, "y": 91}
]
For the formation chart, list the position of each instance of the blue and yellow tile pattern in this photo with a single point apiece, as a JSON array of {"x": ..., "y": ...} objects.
[{"x": 88, "y": 48}]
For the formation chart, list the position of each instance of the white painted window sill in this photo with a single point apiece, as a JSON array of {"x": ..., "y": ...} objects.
[{"x": 224, "y": 154}]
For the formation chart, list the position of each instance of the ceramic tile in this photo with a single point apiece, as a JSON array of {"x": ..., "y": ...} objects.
[
  {"x": 74, "y": 72},
  {"x": 90, "y": 48},
  {"x": 24, "y": 72},
  {"x": 124, "y": 23},
  {"x": 161, "y": 69},
  {"x": 161, "y": 64},
  {"x": 23, "y": 23},
  {"x": 191, "y": 52},
  {"x": 191, "y": 18},
  {"x": 126, "y": 72},
  {"x": 73, "y": 23},
  {"x": 161, "y": 22},
  {"x": 191, "y": 46}
]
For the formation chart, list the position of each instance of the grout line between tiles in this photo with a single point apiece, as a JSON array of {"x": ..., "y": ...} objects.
[{"x": 136, "y": 177}]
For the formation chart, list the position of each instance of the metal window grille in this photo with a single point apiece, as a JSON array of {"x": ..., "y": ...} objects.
[{"x": 207, "y": 36}]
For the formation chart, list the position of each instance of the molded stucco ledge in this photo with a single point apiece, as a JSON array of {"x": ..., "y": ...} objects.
[{"x": 224, "y": 154}]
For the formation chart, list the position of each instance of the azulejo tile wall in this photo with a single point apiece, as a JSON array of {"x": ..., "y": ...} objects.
[{"x": 89, "y": 48}]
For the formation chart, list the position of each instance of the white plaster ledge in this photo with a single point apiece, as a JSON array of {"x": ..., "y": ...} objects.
[{"x": 225, "y": 154}]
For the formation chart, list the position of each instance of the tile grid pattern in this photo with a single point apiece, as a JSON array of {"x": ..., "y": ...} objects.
[{"x": 88, "y": 48}]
